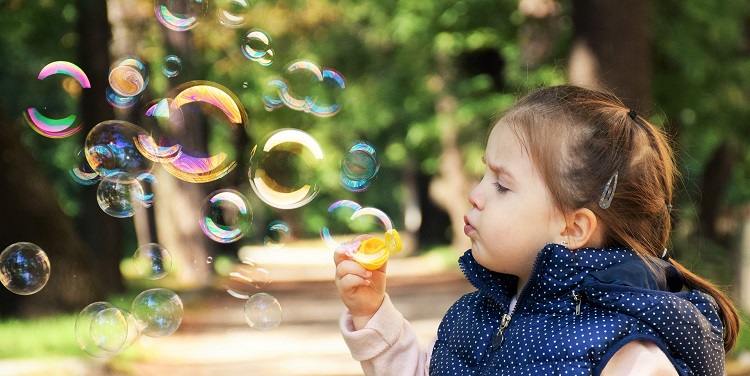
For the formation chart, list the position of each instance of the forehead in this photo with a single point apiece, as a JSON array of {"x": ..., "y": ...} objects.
[{"x": 506, "y": 142}]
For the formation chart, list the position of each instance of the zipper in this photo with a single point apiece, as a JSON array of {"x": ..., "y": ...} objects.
[
  {"x": 578, "y": 298},
  {"x": 499, "y": 337}
]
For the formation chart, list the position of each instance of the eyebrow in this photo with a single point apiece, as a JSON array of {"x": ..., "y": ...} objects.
[{"x": 500, "y": 170}]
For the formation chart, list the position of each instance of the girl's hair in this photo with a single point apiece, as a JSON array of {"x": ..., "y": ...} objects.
[{"x": 578, "y": 139}]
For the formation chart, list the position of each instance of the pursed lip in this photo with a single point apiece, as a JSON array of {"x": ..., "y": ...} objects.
[{"x": 468, "y": 228}]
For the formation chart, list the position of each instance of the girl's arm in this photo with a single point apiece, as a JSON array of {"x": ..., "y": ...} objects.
[
  {"x": 639, "y": 358},
  {"x": 387, "y": 345}
]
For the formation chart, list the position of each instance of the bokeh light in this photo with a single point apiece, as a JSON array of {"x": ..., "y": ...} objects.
[
  {"x": 158, "y": 312},
  {"x": 285, "y": 168},
  {"x": 180, "y": 15},
  {"x": 263, "y": 312},
  {"x": 152, "y": 261},
  {"x": 24, "y": 268},
  {"x": 226, "y": 216}
]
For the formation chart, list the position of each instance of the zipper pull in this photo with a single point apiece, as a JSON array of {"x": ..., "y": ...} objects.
[
  {"x": 578, "y": 298},
  {"x": 498, "y": 339}
]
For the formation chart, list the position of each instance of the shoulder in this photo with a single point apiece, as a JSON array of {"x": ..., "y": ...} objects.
[{"x": 639, "y": 358}]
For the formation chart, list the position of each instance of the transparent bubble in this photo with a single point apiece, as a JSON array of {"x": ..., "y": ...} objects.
[
  {"x": 338, "y": 222},
  {"x": 247, "y": 278},
  {"x": 111, "y": 150},
  {"x": 212, "y": 100},
  {"x": 158, "y": 312},
  {"x": 256, "y": 47},
  {"x": 119, "y": 101},
  {"x": 167, "y": 115},
  {"x": 143, "y": 189},
  {"x": 58, "y": 127},
  {"x": 263, "y": 312},
  {"x": 358, "y": 166},
  {"x": 117, "y": 197},
  {"x": 316, "y": 91},
  {"x": 233, "y": 13},
  {"x": 226, "y": 216},
  {"x": 83, "y": 329},
  {"x": 24, "y": 268},
  {"x": 277, "y": 234},
  {"x": 285, "y": 168},
  {"x": 83, "y": 173},
  {"x": 152, "y": 261},
  {"x": 180, "y": 15},
  {"x": 128, "y": 76},
  {"x": 209, "y": 259},
  {"x": 172, "y": 66},
  {"x": 109, "y": 329}
]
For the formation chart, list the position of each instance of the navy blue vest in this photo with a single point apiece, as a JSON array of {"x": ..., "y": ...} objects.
[{"x": 576, "y": 311}]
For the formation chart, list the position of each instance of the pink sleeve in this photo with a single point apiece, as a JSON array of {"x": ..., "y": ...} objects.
[{"x": 387, "y": 345}]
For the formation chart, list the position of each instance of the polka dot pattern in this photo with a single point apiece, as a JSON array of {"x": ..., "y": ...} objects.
[{"x": 547, "y": 335}]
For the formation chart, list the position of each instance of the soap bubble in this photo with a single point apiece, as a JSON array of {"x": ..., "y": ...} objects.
[
  {"x": 180, "y": 15},
  {"x": 277, "y": 233},
  {"x": 128, "y": 76},
  {"x": 209, "y": 259},
  {"x": 83, "y": 173},
  {"x": 233, "y": 13},
  {"x": 24, "y": 268},
  {"x": 143, "y": 189},
  {"x": 117, "y": 197},
  {"x": 152, "y": 261},
  {"x": 262, "y": 312},
  {"x": 112, "y": 153},
  {"x": 257, "y": 47},
  {"x": 119, "y": 101},
  {"x": 226, "y": 216},
  {"x": 83, "y": 329},
  {"x": 109, "y": 329},
  {"x": 63, "y": 126},
  {"x": 339, "y": 218},
  {"x": 158, "y": 312},
  {"x": 247, "y": 278},
  {"x": 313, "y": 88},
  {"x": 285, "y": 167},
  {"x": 172, "y": 66},
  {"x": 358, "y": 166},
  {"x": 198, "y": 95}
]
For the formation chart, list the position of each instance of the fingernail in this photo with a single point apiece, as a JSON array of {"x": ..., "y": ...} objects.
[
  {"x": 368, "y": 282},
  {"x": 368, "y": 274}
]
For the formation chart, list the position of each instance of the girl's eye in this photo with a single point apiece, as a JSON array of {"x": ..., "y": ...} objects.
[{"x": 500, "y": 188}]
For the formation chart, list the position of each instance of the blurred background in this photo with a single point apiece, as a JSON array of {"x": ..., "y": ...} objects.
[{"x": 422, "y": 82}]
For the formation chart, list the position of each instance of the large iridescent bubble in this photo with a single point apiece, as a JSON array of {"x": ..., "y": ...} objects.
[
  {"x": 112, "y": 153},
  {"x": 57, "y": 127},
  {"x": 285, "y": 167}
]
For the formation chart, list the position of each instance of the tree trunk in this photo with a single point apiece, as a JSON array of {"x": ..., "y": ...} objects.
[
  {"x": 716, "y": 177},
  {"x": 32, "y": 214},
  {"x": 102, "y": 233},
  {"x": 611, "y": 49}
]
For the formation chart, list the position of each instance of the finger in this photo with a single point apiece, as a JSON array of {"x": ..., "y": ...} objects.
[
  {"x": 350, "y": 282},
  {"x": 351, "y": 267}
]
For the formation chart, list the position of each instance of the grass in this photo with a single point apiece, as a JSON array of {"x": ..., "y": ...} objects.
[{"x": 39, "y": 338}]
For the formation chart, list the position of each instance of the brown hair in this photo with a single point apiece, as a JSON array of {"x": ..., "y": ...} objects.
[{"x": 600, "y": 136}]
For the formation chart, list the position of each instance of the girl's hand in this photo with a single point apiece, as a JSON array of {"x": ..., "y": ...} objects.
[{"x": 361, "y": 290}]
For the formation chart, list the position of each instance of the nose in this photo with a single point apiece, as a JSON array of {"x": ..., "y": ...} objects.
[{"x": 475, "y": 197}]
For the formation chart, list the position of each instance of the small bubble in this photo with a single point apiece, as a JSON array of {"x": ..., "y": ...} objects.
[
  {"x": 172, "y": 66},
  {"x": 152, "y": 261},
  {"x": 262, "y": 312},
  {"x": 158, "y": 312},
  {"x": 180, "y": 15},
  {"x": 209, "y": 259},
  {"x": 277, "y": 233},
  {"x": 257, "y": 47},
  {"x": 358, "y": 166},
  {"x": 128, "y": 77},
  {"x": 233, "y": 13},
  {"x": 226, "y": 216}
]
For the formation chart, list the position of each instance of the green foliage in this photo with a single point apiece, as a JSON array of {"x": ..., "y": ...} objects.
[{"x": 50, "y": 336}]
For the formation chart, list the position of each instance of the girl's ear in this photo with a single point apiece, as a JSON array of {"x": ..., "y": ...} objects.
[{"x": 582, "y": 229}]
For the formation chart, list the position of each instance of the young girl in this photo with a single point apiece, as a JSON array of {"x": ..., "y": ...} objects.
[{"x": 568, "y": 228}]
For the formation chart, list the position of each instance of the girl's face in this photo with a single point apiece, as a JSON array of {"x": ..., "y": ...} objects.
[{"x": 512, "y": 216}]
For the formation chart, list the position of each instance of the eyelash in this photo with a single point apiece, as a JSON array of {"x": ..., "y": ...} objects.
[{"x": 500, "y": 188}]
